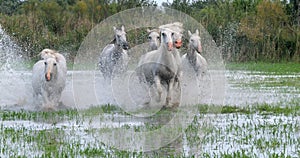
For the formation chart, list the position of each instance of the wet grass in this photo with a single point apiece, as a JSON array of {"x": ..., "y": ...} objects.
[
  {"x": 275, "y": 68},
  {"x": 276, "y": 77},
  {"x": 246, "y": 124},
  {"x": 35, "y": 116},
  {"x": 291, "y": 107},
  {"x": 270, "y": 82}
]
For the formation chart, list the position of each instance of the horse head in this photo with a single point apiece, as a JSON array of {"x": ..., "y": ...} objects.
[
  {"x": 153, "y": 38},
  {"x": 50, "y": 68},
  {"x": 167, "y": 38},
  {"x": 195, "y": 41},
  {"x": 120, "y": 38},
  {"x": 176, "y": 28}
]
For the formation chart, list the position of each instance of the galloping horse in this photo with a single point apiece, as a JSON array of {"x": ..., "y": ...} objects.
[
  {"x": 49, "y": 78},
  {"x": 114, "y": 58},
  {"x": 192, "y": 57},
  {"x": 161, "y": 66}
]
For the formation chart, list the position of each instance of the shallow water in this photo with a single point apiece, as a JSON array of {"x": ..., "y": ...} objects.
[
  {"x": 247, "y": 87},
  {"x": 254, "y": 134},
  {"x": 16, "y": 90}
]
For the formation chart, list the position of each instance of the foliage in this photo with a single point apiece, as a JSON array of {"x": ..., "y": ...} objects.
[{"x": 246, "y": 30}]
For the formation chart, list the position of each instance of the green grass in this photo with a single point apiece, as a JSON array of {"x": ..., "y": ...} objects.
[
  {"x": 276, "y": 68},
  {"x": 291, "y": 107},
  {"x": 54, "y": 116}
]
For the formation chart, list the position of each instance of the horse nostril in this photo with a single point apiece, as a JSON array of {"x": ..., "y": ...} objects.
[
  {"x": 178, "y": 43},
  {"x": 125, "y": 46},
  {"x": 48, "y": 76}
]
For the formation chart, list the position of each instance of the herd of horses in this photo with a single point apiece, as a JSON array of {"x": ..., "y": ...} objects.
[{"x": 161, "y": 67}]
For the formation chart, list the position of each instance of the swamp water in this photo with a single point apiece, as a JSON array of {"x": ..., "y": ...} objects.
[{"x": 76, "y": 132}]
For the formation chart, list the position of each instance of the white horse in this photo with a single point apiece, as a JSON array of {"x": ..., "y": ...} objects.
[
  {"x": 153, "y": 39},
  {"x": 114, "y": 57},
  {"x": 49, "y": 78},
  {"x": 161, "y": 66},
  {"x": 177, "y": 29},
  {"x": 193, "y": 58}
]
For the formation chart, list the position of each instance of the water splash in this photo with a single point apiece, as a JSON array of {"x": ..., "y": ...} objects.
[
  {"x": 13, "y": 82},
  {"x": 10, "y": 53}
]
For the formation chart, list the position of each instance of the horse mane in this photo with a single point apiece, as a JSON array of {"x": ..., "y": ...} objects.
[
  {"x": 176, "y": 26},
  {"x": 113, "y": 41}
]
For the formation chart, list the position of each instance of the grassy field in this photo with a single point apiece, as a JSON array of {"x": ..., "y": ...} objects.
[{"x": 258, "y": 129}]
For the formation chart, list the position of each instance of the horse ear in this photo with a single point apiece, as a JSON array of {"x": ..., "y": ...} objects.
[
  {"x": 148, "y": 30},
  {"x": 114, "y": 28},
  {"x": 197, "y": 32},
  {"x": 189, "y": 33},
  {"x": 123, "y": 28}
]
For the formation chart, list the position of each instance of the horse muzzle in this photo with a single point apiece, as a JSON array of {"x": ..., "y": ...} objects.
[
  {"x": 199, "y": 49},
  {"x": 48, "y": 76},
  {"x": 125, "y": 46},
  {"x": 178, "y": 44},
  {"x": 170, "y": 46}
]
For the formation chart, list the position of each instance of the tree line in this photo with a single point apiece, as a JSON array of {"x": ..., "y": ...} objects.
[{"x": 245, "y": 30}]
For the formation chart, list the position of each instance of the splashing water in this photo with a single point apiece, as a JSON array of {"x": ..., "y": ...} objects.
[
  {"x": 13, "y": 82},
  {"x": 10, "y": 52}
]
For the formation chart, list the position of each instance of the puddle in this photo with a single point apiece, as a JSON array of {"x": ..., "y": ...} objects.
[
  {"x": 256, "y": 135},
  {"x": 239, "y": 93}
]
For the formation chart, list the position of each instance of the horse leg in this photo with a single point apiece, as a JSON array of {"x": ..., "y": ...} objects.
[
  {"x": 169, "y": 92},
  {"x": 46, "y": 101},
  {"x": 176, "y": 92},
  {"x": 35, "y": 98},
  {"x": 158, "y": 87},
  {"x": 54, "y": 98}
]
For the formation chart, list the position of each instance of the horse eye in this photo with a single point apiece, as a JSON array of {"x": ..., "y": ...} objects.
[
  {"x": 172, "y": 34},
  {"x": 163, "y": 34},
  {"x": 54, "y": 64},
  {"x": 45, "y": 63},
  {"x": 157, "y": 37},
  {"x": 149, "y": 37}
]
